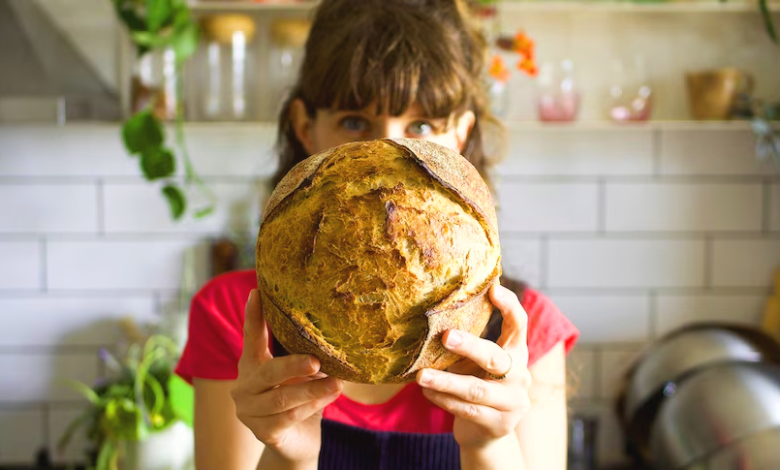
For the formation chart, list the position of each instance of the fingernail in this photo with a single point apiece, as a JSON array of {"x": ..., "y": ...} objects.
[
  {"x": 425, "y": 377},
  {"x": 454, "y": 339}
]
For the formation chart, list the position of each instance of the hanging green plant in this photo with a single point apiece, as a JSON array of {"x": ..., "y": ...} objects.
[{"x": 155, "y": 25}]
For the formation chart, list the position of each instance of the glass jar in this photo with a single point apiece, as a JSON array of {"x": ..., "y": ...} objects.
[
  {"x": 630, "y": 94},
  {"x": 558, "y": 98},
  {"x": 225, "y": 59},
  {"x": 153, "y": 84},
  {"x": 288, "y": 37}
]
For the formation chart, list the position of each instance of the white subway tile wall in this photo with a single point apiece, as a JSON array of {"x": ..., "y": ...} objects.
[
  {"x": 626, "y": 263},
  {"x": 59, "y": 418},
  {"x": 749, "y": 262},
  {"x": 676, "y": 310},
  {"x": 728, "y": 152},
  {"x": 49, "y": 208},
  {"x": 22, "y": 433},
  {"x": 621, "y": 318},
  {"x": 581, "y": 373},
  {"x": 684, "y": 207},
  {"x": 631, "y": 231},
  {"x": 548, "y": 207},
  {"x": 613, "y": 365},
  {"x": 21, "y": 265}
]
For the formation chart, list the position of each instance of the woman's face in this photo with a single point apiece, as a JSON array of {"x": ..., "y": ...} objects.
[{"x": 330, "y": 128}]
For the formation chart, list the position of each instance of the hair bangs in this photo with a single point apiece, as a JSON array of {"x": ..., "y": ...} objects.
[{"x": 392, "y": 65}]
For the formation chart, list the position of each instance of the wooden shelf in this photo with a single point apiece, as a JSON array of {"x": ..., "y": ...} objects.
[
  {"x": 618, "y": 6},
  {"x": 509, "y": 6},
  {"x": 248, "y": 5}
]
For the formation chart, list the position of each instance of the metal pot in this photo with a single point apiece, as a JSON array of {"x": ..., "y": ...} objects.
[
  {"x": 713, "y": 409},
  {"x": 756, "y": 452},
  {"x": 674, "y": 358},
  {"x": 682, "y": 352}
]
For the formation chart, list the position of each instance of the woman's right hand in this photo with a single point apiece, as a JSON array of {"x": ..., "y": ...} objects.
[{"x": 281, "y": 399}]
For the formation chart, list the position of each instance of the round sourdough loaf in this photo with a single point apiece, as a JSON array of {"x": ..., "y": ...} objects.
[{"x": 370, "y": 251}]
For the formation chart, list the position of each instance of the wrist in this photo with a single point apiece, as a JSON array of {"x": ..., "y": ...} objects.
[
  {"x": 492, "y": 454},
  {"x": 272, "y": 459}
]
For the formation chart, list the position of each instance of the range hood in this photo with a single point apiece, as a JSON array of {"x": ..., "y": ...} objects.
[{"x": 43, "y": 77}]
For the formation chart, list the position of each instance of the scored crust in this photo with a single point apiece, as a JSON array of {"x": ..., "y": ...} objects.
[{"x": 369, "y": 251}]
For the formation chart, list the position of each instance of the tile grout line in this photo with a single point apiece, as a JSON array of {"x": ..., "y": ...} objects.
[
  {"x": 708, "y": 262},
  {"x": 101, "y": 207},
  {"x": 766, "y": 200},
  {"x": 46, "y": 414},
  {"x": 653, "y": 318},
  {"x": 44, "y": 265},
  {"x": 543, "y": 262},
  {"x": 602, "y": 207},
  {"x": 657, "y": 147},
  {"x": 157, "y": 302}
]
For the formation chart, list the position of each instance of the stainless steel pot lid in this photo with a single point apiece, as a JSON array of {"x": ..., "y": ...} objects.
[
  {"x": 759, "y": 451},
  {"x": 680, "y": 353},
  {"x": 714, "y": 408}
]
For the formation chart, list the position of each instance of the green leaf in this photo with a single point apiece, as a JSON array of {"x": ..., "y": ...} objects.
[
  {"x": 64, "y": 440},
  {"x": 107, "y": 455},
  {"x": 176, "y": 200},
  {"x": 185, "y": 41},
  {"x": 126, "y": 12},
  {"x": 182, "y": 399},
  {"x": 769, "y": 24},
  {"x": 142, "y": 133},
  {"x": 158, "y": 12},
  {"x": 86, "y": 391},
  {"x": 148, "y": 39},
  {"x": 204, "y": 212},
  {"x": 158, "y": 163}
]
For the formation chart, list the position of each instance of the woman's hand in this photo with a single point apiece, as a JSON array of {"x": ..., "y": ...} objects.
[
  {"x": 280, "y": 399},
  {"x": 486, "y": 409}
]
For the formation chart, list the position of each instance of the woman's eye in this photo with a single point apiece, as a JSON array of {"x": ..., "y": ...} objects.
[
  {"x": 421, "y": 128},
  {"x": 354, "y": 124}
]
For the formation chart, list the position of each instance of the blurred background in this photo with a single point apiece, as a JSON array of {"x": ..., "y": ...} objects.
[{"x": 639, "y": 189}]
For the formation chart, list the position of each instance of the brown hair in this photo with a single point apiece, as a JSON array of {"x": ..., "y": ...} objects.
[{"x": 392, "y": 53}]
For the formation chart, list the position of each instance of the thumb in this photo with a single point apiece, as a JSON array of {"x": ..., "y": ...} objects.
[{"x": 255, "y": 331}]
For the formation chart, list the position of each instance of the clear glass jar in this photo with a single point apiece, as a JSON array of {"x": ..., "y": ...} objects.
[
  {"x": 288, "y": 37},
  {"x": 225, "y": 60},
  {"x": 153, "y": 84},
  {"x": 630, "y": 95},
  {"x": 558, "y": 97}
]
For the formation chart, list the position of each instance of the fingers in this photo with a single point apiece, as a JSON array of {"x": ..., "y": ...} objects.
[
  {"x": 272, "y": 413},
  {"x": 469, "y": 389},
  {"x": 255, "y": 332},
  {"x": 486, "y": 354},
  {"x": 281, "y": 399},
  {"x": 515, "y": 325},
  {"x": 494, "y": 422},
  {"x": 278, "y": 371}
]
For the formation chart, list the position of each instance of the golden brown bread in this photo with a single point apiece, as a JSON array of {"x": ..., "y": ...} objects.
[{"x": 369, "y": 251}]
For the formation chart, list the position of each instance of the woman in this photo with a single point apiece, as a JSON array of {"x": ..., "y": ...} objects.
[{"x": 375, "y": 69}]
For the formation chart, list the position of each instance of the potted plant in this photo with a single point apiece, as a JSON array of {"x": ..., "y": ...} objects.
[
  {"x": 768, "y": 138},
  {"x": 139, "y": 416},
  {"x": 154, "y": 26}
]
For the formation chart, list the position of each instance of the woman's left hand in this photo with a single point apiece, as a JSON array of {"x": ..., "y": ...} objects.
[{"x": 485, "y": 408}]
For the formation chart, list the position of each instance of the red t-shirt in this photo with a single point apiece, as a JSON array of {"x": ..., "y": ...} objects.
[{"x": 216, "y": 339}]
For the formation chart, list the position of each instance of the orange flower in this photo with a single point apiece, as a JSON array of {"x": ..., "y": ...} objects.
[
  {"x": 528, "y": 65},
  {"x": 523, "y": 44},
  {"x": 498, "y": 69}
]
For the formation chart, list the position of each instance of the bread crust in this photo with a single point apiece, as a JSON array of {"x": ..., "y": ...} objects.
[{"x": 392, "y": 242}]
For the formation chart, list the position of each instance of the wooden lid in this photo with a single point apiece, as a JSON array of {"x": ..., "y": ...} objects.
[
  {"x": 290, "y": 32},
  {"x": 220, "y": 28}
]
